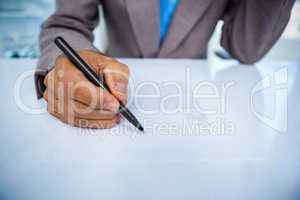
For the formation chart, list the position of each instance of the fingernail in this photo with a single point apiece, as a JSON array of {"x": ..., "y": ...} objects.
[{"x": 121, "y": 87}]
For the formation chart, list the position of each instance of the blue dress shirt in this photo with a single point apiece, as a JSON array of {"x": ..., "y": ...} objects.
[{"x": 167, "y": 9}]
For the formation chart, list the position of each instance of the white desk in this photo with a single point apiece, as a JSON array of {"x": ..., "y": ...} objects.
[{"x": 256, "y": 157}]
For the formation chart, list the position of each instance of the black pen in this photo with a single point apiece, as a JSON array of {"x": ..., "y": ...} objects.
[{"x": 70, "y": 53}]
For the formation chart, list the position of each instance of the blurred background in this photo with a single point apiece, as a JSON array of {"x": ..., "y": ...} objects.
[{"x": 20, "y": 22}]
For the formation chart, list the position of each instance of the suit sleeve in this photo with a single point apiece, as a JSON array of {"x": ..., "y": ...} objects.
[
  {"x": 74, "y": 20},
  {"x": 251, "y": 27}
]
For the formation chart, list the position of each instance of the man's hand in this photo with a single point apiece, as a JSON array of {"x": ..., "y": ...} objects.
[{"x": 76, "y": 101}]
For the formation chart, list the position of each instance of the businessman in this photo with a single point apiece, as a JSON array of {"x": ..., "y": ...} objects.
[{"x": 143, "y": 29}]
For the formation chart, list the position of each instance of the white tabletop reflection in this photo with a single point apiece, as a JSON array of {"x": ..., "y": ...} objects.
[{"x": 225, "y": 132}]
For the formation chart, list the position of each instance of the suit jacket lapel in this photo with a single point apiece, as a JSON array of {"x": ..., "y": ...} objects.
[
  {"x": 144, "y": 17},
  {"x": 186, "y": 16}
]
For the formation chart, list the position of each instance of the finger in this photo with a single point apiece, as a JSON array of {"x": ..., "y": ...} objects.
[
  {"x": 49, "y": 79},
  {"x": 56, "y": 115},
  {"x": 78, "y": 88},
  {"x": 45, "y": 95},
  {"x": 59, "y": 109},
  {"x": 116, "y": 77},
  {"x": 67, "y": 120},
  {"x": 94, "y": 97},
  {"x": 50, "y": 109},
  {"x": 87, "y": 123},
  {"x": 95, "y": 124},
  {"x": 86, "y": 112},
  {"x": 54, "y": 104},
  {"x": 78, "y": 109}
]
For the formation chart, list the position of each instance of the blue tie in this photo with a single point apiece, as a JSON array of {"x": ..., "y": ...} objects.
[{"x": 167, "y": 9}]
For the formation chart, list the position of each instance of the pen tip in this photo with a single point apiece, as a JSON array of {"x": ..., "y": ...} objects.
[{"x": 141, "y": 128}]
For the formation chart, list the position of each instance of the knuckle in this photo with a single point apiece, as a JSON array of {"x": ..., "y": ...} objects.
[
  {"x": 125, "y": 68},
  {"x": 60, "y": 60},
  {"x": 45, "y": 95},
  {"x": 50, "y": 109},
  {"x": 48, "y": 78}
]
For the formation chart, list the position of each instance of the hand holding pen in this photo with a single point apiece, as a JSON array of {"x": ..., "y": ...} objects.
[{"x": 83, "y": 88}]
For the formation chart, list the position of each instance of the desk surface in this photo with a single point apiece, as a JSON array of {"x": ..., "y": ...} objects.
[{"x": 211, "y": 132}]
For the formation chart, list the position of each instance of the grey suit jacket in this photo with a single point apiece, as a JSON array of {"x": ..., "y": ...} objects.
[{"x": 250, "y": 28}]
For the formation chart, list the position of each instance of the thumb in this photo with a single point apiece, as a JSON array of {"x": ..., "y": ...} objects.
[{"x": 116, "y": 78}]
